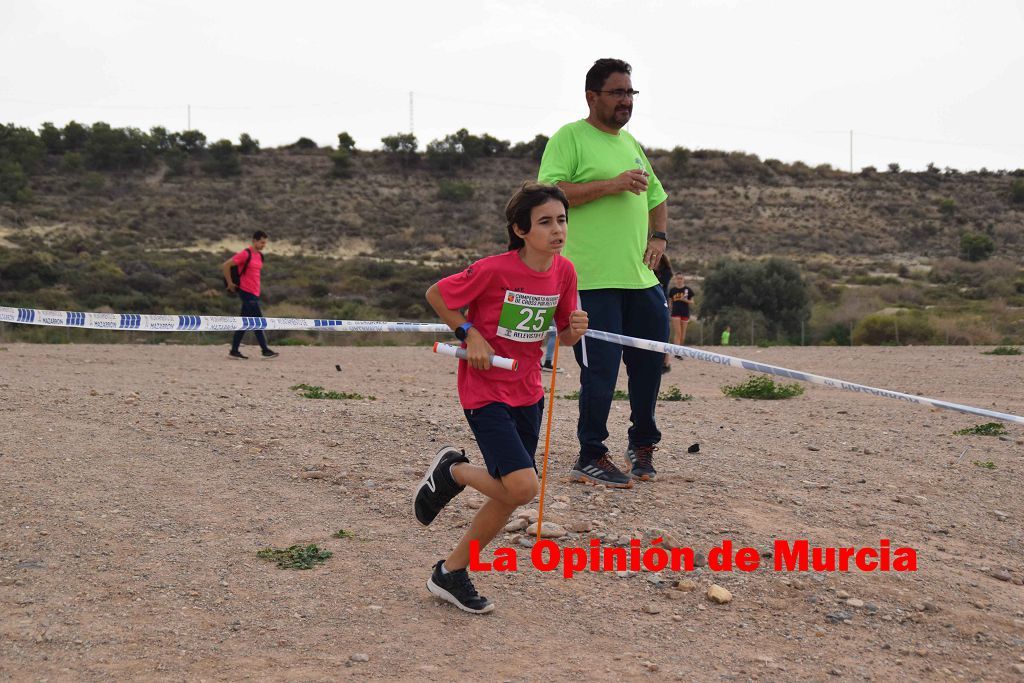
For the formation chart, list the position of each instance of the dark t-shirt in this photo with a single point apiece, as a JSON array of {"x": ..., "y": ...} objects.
[{"x": 679, "y": 307}]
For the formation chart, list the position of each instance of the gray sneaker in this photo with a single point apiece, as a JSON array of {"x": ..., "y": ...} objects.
[
  {"x": 600, "y": 472},
  {"x": 640, "y": 459}
]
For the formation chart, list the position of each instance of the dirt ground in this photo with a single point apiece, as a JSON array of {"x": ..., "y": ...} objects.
[{"x": 137, "y": 484}]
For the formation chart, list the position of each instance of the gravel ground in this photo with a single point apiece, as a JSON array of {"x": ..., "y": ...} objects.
[{"x": 137, "y": 484}]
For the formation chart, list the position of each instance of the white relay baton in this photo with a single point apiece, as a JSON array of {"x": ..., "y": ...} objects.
[{"x": 459, "y": 352}]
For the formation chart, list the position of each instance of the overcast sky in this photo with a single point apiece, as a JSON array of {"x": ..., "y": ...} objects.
[{"x": 917, "y": 81}]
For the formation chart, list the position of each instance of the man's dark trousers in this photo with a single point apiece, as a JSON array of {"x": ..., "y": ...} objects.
[
  {"x": 641, "y": 313},
  {"x": 250, "y": 309}
]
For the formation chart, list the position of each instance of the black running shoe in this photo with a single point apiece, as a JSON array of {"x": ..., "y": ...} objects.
[
  {"x": 456, "y": 588},
  {"x": 601, "y": 471},
  {"x": 438, "y": 485},
  {"x": 237, "y": 355},
  {"x": 267, "y": 353},
  {"x": 640, "y": 460}
]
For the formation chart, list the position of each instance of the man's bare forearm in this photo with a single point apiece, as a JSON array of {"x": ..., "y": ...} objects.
[
  {"x": 582, "y": 193},
  {"x": 658, "y": 217}
]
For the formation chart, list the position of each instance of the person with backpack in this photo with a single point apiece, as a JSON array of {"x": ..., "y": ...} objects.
[{"x": 242, "y": 275}]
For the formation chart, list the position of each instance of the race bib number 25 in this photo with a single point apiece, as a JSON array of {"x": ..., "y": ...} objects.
[{"x": 526, "y": 317}]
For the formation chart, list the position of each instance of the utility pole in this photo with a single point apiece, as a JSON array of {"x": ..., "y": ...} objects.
[
  {"x": 851, "y": 151},
  {"x": 411, "y": 127},
  {"x": 189, "y": 126}
]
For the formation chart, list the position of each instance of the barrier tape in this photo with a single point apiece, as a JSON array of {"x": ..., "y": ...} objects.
[
  {"x": 711, "y": 357},
  {"x": 201, "y": 323}
]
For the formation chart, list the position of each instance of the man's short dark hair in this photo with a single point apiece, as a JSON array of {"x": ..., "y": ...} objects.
[
  {"x": 602, "y": 69},
  {"x": 519, "y": 208},
  {"x": 259, "y": 235}
]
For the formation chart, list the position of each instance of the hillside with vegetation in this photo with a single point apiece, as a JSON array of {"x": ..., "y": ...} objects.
[{"x": 99, "y": 218}]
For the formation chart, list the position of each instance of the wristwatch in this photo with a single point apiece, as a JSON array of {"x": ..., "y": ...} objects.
[
  {"x": 659, "y": 234},
  {"x": 462, "y": 331}
]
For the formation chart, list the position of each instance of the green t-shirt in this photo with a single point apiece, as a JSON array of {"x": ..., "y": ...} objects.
[{"x": 607, "y": 237}]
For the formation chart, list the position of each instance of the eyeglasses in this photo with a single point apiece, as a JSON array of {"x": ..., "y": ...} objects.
[{"x": 621, "y": 94}]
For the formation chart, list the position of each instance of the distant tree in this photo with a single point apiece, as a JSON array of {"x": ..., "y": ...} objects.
[
  {"x": 341, "y": 161},
  {"x": 346, "y": 142},
  {"x": 246, "y": 145},
  {"x": 976, "y": 247},
  {"x": 1017, "y": 192},
  {"x": 680, "y": 159},
  {"x": 176, "y": 160},
  {"x": 303, "y": 144},
  {"x": 894, "y": 168},
  {"x": 22, "y": 146},
  {"x": 51, "y": 138},
  {"x": 947, "y": 207},
  {"x": 159, "y": 140},
  {"x": 72, "y": 163},
  {"x": 401, "y": 146},
  {"x": 775, "y": 289},
  {"x": 189, "y": 140},
  {"x": 868, "y": 171},
  {"x": 932, "y": 168},
  {"x": 13, "y": 183},
  {"x": 534, "y": 149},
  {"x": 75, "y": 135},
  {"x": 223, "y": 159},
  {"x": 109, "y": 148},
  {"x": 454, "y": 191}
]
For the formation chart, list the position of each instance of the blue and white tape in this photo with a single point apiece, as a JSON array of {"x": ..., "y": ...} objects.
[
  {"x": 719, "y": 359},
  {"x": 207, "y": 323},
  {"x": 202, "y": 323}
]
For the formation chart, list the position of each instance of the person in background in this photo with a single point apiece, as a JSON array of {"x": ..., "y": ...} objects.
[{"x": 250, "y": 264}]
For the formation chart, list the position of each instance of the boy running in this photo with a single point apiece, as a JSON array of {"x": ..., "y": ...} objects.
[{"x": 511, "y": 300}]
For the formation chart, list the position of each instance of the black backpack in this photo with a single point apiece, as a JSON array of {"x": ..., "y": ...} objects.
[{"x": 236, "y": 275}]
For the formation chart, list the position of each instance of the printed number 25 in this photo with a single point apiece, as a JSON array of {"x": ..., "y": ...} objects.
[{"x": 533, "y": 319}]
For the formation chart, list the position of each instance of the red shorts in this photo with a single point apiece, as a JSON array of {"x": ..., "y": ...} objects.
[{"x": 684, "y": 318}]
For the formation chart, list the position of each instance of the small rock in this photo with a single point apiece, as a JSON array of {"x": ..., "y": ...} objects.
[
  {"x": 676, "y": 617},
  {"x": 548, "y": 530},
  {"x": 1000, "y": 515},
  {"x": 837, "y": 617},
  {"x": 525, "y": 541},
  {"x": 517, "y": 525},
  {"x": 685, "y": 585},
  {"x": 1019, "y": 668},
  {"x": 360, "y": 657},
  {"x": 842, "y": 595},
  {"x": 651, "y": 608},
  {"x": 581, "y": 527},
  {"x": 313, "y": 474},
  {"x": 910, "y": 500},
  {"x": 530, "y": 515},
  {"x": 474, "y": 503},
  {"x": 854, "y": 602},
  {"x": 718, "y": 594},
  {"x": 1000, "y": 574}
]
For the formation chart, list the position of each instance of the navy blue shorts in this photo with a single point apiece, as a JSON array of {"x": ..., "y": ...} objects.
[{"x": 507, "y": 436}]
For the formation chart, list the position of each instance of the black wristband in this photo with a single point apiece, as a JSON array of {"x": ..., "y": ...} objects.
[{"x": 659, "y": 234}]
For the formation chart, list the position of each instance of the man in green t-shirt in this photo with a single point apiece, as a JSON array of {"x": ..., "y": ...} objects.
[{"x": 616, "y": 238}]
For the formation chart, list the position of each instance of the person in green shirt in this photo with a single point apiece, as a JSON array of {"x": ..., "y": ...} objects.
[
  {"x": 726, "y": 333},
  {"x": 616, "y": 239}
]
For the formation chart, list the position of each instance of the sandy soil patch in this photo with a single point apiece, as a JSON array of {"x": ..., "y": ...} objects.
[{"x": 137, "y": 484}]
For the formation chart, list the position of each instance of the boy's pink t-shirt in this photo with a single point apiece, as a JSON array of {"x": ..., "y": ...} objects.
[
  {"x": 250, "y": 279},
  {"x": 512, "y": 306}
]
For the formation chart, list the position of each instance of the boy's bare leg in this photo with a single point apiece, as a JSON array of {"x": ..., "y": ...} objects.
[
  {"x": 682, "y": 331},
  {"x": 506, "y": 494}
]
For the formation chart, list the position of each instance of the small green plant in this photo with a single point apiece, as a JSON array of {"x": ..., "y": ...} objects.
[
  {"x": 673, "y": 394},
  {"x": 308, "y": 391},
  {"x": 762, "y": 387},
  {"x": 296, "y": 556},
  {"x": 987, "y": 429},
  {"x": 617, "y": 395},
  {"x": 1003, "y": 351},
  {"x": 341, "y": 533},
  {"x": 988, "y": 464}
]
